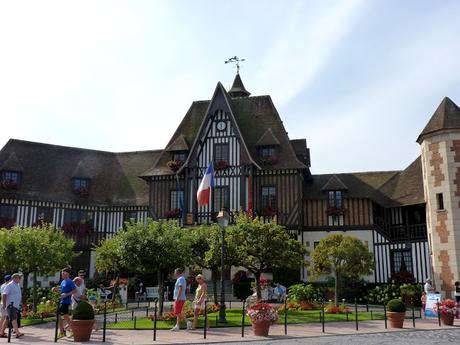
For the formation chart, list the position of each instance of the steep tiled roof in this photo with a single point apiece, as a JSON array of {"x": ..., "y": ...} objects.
[
  {"x": 48, "y": 170},
  {"x": 359, "y": 184},
  {"x": 447, "y": 116},
  {"x": 247, "y": 112},
  {"x": 406, "y": 187}
]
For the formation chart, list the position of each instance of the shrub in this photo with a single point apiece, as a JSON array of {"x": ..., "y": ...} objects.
[
  {"x": 383, "y": 293},
  {"x": 83, "y": 311},
  {"x": 303, "y": 293},
  {"x": 396, "y": 306}
]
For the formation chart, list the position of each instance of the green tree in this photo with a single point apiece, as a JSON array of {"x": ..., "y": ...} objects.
[
  {"x": 206, "y": 250},
  {"x": 264, "y": 246},
  {"x": 341, "y": 256},
  {"x": 154, "y": 246},
  {"x": 35, "y": 250}
]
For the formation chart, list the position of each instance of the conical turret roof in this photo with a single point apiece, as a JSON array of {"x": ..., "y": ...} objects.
[
  {"x": 238, "y": 89},
  {"x": 447, "y": 116}
]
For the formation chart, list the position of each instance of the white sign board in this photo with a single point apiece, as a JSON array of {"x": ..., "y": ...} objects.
[{"x": 430, "y": 306}]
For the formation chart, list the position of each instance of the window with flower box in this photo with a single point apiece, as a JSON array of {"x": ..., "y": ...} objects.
[
  {"x": 80, "y": 186},
  {"x": 7, "y": 216},
  {"x": 10, "y": 179},
  {"x": 268, "y": 201},
  {"x": 179, "y": 156},
  {"x": 78, "y": 221},
  {"x": 221, "y": 152},
  {"x": 268, "y": 155}
]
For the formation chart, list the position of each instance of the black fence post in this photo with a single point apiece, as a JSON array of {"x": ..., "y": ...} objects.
[
  {"x": 138, "y": 304},
  {"x": 104, "y": 323},
  {"x": 230, "y": 307},
  {"x": 385, "y": 313},
  {"x": 372, "y": 316},
  {"x": 322, "y": 316},
  {"x": 205, "y": 319},
  {"x": 367, "y": 307},
  {"x": 413, "y": 313},
  {"x": 147, "y": 312},
  {"x": 356, "y": 313},
  {"x": 346, "y": 313},
  {"x": 285, "y": 315},
  {"x": 242, "y": 319},
  {"x": 116, "y": 317},
  {"x": 135, "y": 322},
  {"x": 155, "y": 320},
  {"x": 132, "y": 315},
  {"x": 57, "y": 322},
  {"x": 439, "y": 313}
]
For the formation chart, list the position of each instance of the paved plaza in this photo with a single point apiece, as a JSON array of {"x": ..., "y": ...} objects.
[{"x": 370, "y": 332}]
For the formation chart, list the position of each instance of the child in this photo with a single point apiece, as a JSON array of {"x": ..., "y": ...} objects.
[{"x": 423, "y": 299}]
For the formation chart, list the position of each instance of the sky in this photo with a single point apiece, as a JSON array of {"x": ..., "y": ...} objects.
[{"x": 359, "y": 79}]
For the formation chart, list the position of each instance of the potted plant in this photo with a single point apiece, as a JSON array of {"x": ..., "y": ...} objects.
[
  {"x": 262, "y": 315},
  {"x": 396, "y": 311},
  {"x": 448, "y": 309},
  {"x": 82, "y": 321}
]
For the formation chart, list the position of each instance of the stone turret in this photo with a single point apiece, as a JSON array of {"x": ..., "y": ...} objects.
[{"x": 440, "y": 145}]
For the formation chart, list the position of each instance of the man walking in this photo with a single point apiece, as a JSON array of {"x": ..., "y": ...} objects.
[
  {"x": 11, "y": 302},
  {"x": 179, "y": 297},
  {"x": 82, "y": 287},
  {"x": 67, "y": 289},
  {"x": 7, "y": 279}
]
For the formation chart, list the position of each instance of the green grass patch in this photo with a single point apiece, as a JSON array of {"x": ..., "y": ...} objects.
[{"x": 234, "y": 319}]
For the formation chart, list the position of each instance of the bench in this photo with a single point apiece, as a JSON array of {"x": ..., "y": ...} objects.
[{"x": 152, "y": 292}]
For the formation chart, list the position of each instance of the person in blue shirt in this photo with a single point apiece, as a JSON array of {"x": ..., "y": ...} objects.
[{"x": 67, "y": 289}]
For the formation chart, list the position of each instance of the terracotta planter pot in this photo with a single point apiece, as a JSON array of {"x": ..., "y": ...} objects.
[
  {"x": 261, "y": 328},
  {"x": 447, "y": 319},
  {"x": 396, "y": 319},
  {"x": 82, "y": 329}
]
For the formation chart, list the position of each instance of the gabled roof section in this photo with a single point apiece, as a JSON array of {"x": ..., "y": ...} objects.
[
  {"x": 48, "y": 169},
  {"x": 238, "y": 89},
  {"x": 334, "y": 183},
  {"x": 406, "y": 187},
  {"x": 268, "y": 139},
  {"x": 179, "y": 144},
  {"x": 12, "y": 163},
  {"x": 446, "y": 116},
  {"x": 82, "y": 170}
]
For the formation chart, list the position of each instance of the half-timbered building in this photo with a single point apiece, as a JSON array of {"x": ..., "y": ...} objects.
[{"x": 258, "y": 169}]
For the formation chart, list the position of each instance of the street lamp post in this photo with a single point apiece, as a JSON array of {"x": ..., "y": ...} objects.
[{"x": 223, "y": 220}]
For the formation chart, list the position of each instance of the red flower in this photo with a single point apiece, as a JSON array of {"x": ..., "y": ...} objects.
[
  {"x": 175, "y": 213},
  {"x": 175, "y": 165},
  {"x": 221, "y": 165},
  {"x": 81, "y": 191},
  {"x": 8, "y": 184}
]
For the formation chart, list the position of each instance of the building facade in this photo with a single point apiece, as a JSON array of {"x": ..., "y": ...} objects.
[{"x": 258, "y": 169}]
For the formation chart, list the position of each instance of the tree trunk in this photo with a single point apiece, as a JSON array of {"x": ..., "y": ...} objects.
[
  {"x": 258, "y": 289},
  {"x": 160, "y": 292},
  {"x": 25, "y": 286},
  {"x": 34, "y": 289}
]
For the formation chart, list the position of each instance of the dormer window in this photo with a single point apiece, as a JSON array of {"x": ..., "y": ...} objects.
[
  {"x": 335, "y": 210},
  {"x": 10, "y": 179},
  {"x": 335, "y": 198},
  {"x": 178, "y": 159},
  {"x": 179, "y": 156},
  {"x": 268, "y": 155},
  {"x": 80, "y": 186}
]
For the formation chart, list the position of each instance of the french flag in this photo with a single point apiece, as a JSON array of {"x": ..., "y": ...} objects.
[{"x": 207, "y": 183}]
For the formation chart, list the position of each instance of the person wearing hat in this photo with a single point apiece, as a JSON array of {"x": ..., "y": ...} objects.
[
  {"x": 11, "y": 301},
  {"x": 82, "y": 287},
  {"x": 7, "y": 279}
]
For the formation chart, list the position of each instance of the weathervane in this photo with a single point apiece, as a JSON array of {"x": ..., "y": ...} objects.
[{"x": 236, "y": 60}]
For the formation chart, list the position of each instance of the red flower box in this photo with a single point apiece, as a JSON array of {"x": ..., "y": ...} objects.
[
  {"x": 80, "y": 229},
  {"x": 268, "y": 212},
  {"x": 221, "y": 165},
  {"x": 8, "y": 184},
  {"x": 175, "y": 213},
  {"x": 270, "y": 160},
  {"x": 175, "y": 165},
  {"x": 81, "y": 191}
]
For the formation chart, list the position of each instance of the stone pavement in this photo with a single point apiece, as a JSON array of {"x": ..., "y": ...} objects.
[{"x": 297, "y": 334}]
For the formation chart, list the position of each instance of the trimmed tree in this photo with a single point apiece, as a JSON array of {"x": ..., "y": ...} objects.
[
  {"x": 206, "y": 249},
  {"x": 37, "y": 251},
  {"x": 341, "y": 256},
  {"x": 153, "y": 246},
  {"x": 264, "y": 246}
]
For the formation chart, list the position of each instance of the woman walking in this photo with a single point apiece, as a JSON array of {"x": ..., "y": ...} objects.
[{"x": 200, "y": 298}]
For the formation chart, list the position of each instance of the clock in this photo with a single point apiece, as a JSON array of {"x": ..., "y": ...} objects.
[{"x": 221, "y": 125}]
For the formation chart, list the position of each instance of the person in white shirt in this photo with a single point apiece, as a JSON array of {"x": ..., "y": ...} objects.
[
  {"x": 76, "y": 296},
  {"x": 81, "y": 275},
  {"x": 428, "y": 287},
  {"x": 11, "y": 299},
  {"x": 3, "y": 312}
]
